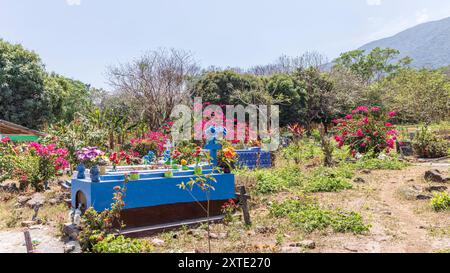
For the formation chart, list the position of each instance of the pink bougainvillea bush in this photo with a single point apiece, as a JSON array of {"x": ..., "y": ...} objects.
[
  {"x": 366, "y": 131},
  {"x": 49, "y": 162}
]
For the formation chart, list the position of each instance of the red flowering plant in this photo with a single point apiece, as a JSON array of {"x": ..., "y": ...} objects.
[
  {"x": 228, "y": 208},
  {"x": 366, "y": 131},
  {"x": 296, "y": 130},
  {"x": 152, "y": 141},
  {"x": 124, "y": 157}
]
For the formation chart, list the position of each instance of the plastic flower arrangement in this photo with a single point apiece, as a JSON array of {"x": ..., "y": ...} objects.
[
  {"x": 198, "y": 155},
  {"x": 89, "y": 156},
  {"x": 122, "y": 157},
  {"x": 148, "y": 158},
  {"x": 366, "y": 131},
  {"x": 226, "y": 158}
]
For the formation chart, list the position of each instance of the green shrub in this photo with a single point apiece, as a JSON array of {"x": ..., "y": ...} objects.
[
  {"x": 440, "y": 201},
  {"x": 120, "y": 244},
  {"x": 309, "y": 216},
  {"x": 6, "y": 160},
  {"x": 329, "y": 179},
  {"x": 276, "y": 179},
  {"x": 344, "y": 221},
  {"x": 381, "y": 164},
  {"x": 429, "y": 145},
  {"x": 301, "y": 151},
  {"x": 268, "y": 182},
  {"x": 6, "y": 167},
  {"x": 96, "y": 226}
]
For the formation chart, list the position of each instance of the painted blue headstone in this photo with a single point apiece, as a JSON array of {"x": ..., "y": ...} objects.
[
  {"x": 213, "y": 146},
  {"x": 211, "y": 133}
]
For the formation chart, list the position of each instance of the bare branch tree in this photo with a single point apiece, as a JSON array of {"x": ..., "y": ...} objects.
[
  {"x": 287, "y": 64},
  {"x": 156, "y": 82}
]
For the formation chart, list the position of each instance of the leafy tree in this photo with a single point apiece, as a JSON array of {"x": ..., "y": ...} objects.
[
  {"x": 66, "y": 97},
  {"x": 225, "y": 87},
  {"x": 293, "y": 89},
  {"x": 350, "y": 91},
  {"x": 417, "y": 95},
  {"x": 320, "y": 98},
  {"x": 374, "y": 65},
  {"x": 21, "y": 86}
]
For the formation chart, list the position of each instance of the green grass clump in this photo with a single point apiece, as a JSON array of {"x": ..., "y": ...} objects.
[
  {"x": 329, "y": 179},
  {"x": 309, "y": 216},
  {"x": 269, "y": 182},
  {"x": 275, "y": 179},
  {"x": 440, "y": 201},
  {"x": 380, "y": 164},
  {"x": 301, "y": 151}
]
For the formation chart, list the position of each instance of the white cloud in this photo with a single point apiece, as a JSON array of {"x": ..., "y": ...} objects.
[
  {"x": 73, "y": 2},
  {"x": 422, "y": 16},
  {"x": 373, "y": 2}
]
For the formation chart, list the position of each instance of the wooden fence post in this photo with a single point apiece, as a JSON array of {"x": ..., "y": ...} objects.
[{"x": 28, "y": 242}]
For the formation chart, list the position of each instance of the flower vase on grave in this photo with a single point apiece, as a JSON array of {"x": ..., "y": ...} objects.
[
  {"x": 81, "y": 169},
  {"x": 95, "y": 174}
]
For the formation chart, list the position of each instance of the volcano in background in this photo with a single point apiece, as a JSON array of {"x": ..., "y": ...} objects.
[{"x": 428, "y": 44}]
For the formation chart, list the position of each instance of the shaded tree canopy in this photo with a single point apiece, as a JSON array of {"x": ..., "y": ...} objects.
[
  {"x": 417, "y": 95},
  {"x": 223, "y": 87},
  {"x": 21, "y": 86},
  {"x": 373, "y": 65},
  {"x": 30, "y": 96}
]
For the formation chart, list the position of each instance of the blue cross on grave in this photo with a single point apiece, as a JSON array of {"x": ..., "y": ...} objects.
[{"x": 213, "y": 146}]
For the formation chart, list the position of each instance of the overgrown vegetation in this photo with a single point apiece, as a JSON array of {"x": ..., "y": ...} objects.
[
  {"x": 329, "y": 180},
  {"x": 310, "y": 216},
  {"x": 99, "y": 230},
  {"x": 429, "y": 145},
  {"x": 389, "y": 163},
  {"x": 120, "y": 244}
]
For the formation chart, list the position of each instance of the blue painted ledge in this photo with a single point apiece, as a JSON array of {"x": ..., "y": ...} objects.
[{"x": 152, "y": 189}]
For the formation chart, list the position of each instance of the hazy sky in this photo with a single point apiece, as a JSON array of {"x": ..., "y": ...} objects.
[{"x": 80, "y": 38}]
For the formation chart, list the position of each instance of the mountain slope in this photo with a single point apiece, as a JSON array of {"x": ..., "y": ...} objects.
[{"x": 428, "y": 44}]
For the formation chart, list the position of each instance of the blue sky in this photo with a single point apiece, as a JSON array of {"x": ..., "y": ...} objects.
[{"x": 80, "y": 38}]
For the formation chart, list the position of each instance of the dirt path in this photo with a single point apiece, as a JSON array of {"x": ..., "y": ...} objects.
[
  {"x": 399, "y": 224},
  {"x": 414, "y": 237},
  {"x": 43, "y": 238}
]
